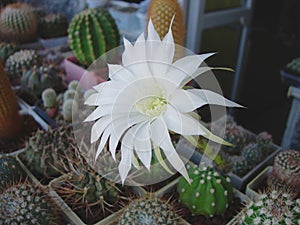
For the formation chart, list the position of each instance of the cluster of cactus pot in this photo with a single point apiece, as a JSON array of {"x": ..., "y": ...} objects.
[
  {"x": 273, "y": 206},
  {"x": 20, "y": 62},
  {"x": 18, "y": 23},
  {"x": 149, "y": 210},
  {"x": 208, "y": 194},
  {"x": 53, "y": 25},
  {"x": 92, "y": 33}
]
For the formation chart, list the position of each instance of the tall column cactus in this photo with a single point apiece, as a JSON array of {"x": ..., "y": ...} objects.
[
  {"x": 161, "y": 13},
  {"x": 92, "y": 32},
  {"x": 18, "y": 23},
  {"x": 11, "y": 122}
]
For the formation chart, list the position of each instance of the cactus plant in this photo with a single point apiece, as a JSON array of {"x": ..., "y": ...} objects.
[
  {"x": 209, "y": 192},
  {"x": 92, "y": 32},
  {"x": 264, "y": 140},
  {"x": 149, "y": 210},
  {"x": 239, "y": 166},
  {"x": 19, "y": 62},
  {"x": 25, "y": 203},
  {"x": 11, "y": 122},
  {"x": 10, "y": 171},
  {"x": 286, "y": 168},
  {"x": 53, "y": 25},
  {"x": 161, "y": 13},
  {"x": 69, "y": 108},
  {"x": 69, "y": 94},
  {"x": 49, "y": 98},
  {"x": 236, "y": 136},
  {"x": 252, "y": 154},
  {"x": 47, "y": 153},
  {"x": 272, "y": 207},
  {"x": 6, "y": 50},
  {"x": 18, "y": 23},
  {"x": 37, "y": 79}
]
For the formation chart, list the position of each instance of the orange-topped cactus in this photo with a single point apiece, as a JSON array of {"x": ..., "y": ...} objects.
[
  {"x": 161, "y": 13},
  {"x": 11, "y": 122}
]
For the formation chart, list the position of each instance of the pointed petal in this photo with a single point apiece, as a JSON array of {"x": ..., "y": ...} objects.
[
  {"x": 161, "y": 137},
  {"x": 213, "y": 137},
  {"x": 152, "y": 34},
  {"x": 125, "y": 163},
  {"x": 98, "y": 128},
  {"x": 181, "y": 123},
  {"x": 211, "y": 97},
  {"x": 99, "y": 112},
  {"x": 103, "y": 141}
]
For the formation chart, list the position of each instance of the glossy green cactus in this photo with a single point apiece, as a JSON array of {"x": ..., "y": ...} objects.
[
  {"x": 10, "y": 171},
  {"x": 37, "y": 79},
  {"x": 53, "y": 25},
  {"x": 49, "y": 98},
  {"x": 92, "y": 32},
  {"x": 19, "y": 62},
  {"x": 209, "y": 192},
  {"x": 149, "y": 210},
  {"x": 272, "y": 207},
  {"x": 25, "y": 203},
  {"x": 252, "y": 154},
  {"x": 18, "y": 23}
]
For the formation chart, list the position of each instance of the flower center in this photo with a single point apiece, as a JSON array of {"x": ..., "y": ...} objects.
[{"x": 152, "y": 106}]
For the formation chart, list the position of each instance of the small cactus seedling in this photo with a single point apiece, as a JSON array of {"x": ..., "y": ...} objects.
[
  {"x": 20, "y": 62},
  {"x": 272, "y": 207},
  {"x": 49, "y": 98},
  {"x": 209, "y": 192},
  {"x": 286, "y": 168},
  {"x": 69, "y": 108},
  {"x": 149, "y": 210},
  {"x": 10, "y": 171},
  {"x": 25, "y": 203},
  {"x": 252, "y": 154},
  {"x": 69, "y": 94}
]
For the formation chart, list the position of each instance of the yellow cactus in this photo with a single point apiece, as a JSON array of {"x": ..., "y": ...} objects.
[
  {"x": 161, "y": 13},
  {"x": 11, "y": 122}
]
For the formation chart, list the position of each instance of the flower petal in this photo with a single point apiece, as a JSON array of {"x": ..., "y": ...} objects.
[
  {"x": 160, "y": 137},
  {"x": 181, "y": 123},
  {"x": 99, "y": 112},
  {"x": 103, "y": 141},
  {"x": 98, "y": 127},
  {"x": 126, "y": 155}
]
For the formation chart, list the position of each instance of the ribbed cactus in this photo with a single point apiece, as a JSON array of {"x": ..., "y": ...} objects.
[
  {"x": 272, "y": 207},
  {"x": 6, "y": 50},
  {"x": 286, "y": 168},
  {"x": 53, "y": 25},
  {"x": 11, "y": 123},
  {"x": 47, "y": 153},
  {"x": 161, "y": 13},
  {"x": 92, "y": 32},
  {"x": 25, "y": 203},
  {"x": 236, "y": 136},
  {"x": 19, "y": 62},
  {"x": 149, "y": 210},
  {"x": 10, "y": 171},
  {"x": 209, "y": 192},
  {"x": 252, "y": 154},
  {"x": 18, "y": 23},
  {"x": 38, "y": 78}
]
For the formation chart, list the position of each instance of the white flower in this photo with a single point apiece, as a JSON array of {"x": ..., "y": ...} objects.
[{"x": 144, "y": 100}]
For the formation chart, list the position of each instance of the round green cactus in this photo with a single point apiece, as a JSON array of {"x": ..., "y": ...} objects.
[
  {"x": 18, "y": 23},
  {"x": 236, "y": 136},
  {"x": 92, "y": 32},
  {"x": 10, "y": 171},
  {"x": 24, "y": 203},
  {"x": 272, "y": 207},
  {"x": 49, "y": 98},
  {"x": 47, "y": 153},
  {"x": 209, "y": 192},
  {"x": 6, "y": 50},
  {"x": 37, "y": 79},
  {"x": 286, "y": 168},
  {"x": 149, "y": 210},
  {"x": 252, "y": 154},
  {"x": 19, "y": 62},
  {"x": 53, "y": 25}
]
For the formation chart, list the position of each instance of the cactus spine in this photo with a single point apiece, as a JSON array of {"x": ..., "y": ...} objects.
[
  {"x": 92, "y": 32},
  {"x": 11, "y": 123},
  {"x": 18, "y": 23},
  {"x": 149, "y": 210},
  {"x": 209, "y": 192},
  {"x": 24, "y": 203},
  {"x": 161, "y": 13}
]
